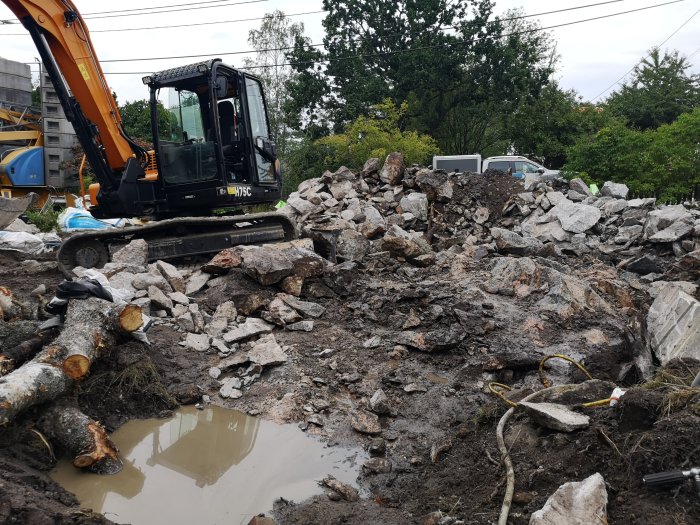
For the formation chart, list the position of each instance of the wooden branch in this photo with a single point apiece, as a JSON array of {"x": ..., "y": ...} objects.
[
  {"x": 91, "y": 326},
  {"x": 83, "y": 438},
  {"x": 13, "y": 357}
]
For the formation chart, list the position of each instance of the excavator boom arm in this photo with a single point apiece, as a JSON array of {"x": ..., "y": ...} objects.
[{"x": 63, "y": 40}]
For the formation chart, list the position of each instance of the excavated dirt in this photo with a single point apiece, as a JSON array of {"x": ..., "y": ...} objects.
[{"x": 439, "y": 401}]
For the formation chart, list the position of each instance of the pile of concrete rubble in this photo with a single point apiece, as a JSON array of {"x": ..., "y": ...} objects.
[{"x": 405, "y": 259}]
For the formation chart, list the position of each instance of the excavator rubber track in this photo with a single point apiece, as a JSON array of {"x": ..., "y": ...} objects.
[{"x": 176, "y": 238}]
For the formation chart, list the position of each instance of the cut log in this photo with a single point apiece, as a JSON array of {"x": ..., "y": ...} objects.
[
  {"x": 84, "y": 439},
  {"x": 91, "y": 326},
  {"x": 15, "y": 356},
  {"x": 81, "y": 340}
]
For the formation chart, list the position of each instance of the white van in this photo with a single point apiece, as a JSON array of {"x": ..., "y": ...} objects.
[{"x": 516, "y": 165}]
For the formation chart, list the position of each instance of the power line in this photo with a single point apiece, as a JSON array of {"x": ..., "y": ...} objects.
[
  {"x": 123, "y": 13},
  {"x": 174, "y": 10},
  {"x": 216, "y": 22},
  {"x": 423, "y": 48},
  {"x": 245, "y": 52},
  {"x": 154, "y": 7},
  {"x": 647, "y": 56}
]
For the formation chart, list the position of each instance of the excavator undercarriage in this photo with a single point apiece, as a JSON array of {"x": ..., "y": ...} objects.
[{"x": 175, "y": 239}]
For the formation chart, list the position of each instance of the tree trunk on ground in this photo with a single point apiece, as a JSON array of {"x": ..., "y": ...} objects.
[
  {"x": 91, "y": 326},
  {"x": 84, "y": 440},
  {"x": 14, "y": 357}
]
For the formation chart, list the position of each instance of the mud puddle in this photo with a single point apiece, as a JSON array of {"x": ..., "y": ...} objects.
[{"x": 209, "y": 467}]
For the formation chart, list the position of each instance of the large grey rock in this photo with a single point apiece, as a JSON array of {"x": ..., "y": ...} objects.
[
  {"x": 197, "y": 281},
  {"x": 579, "y": 186},
  {"x": 302, "y": 206},
  {"x": 437, "y": 186},
  {"x": 136, "y": 253},
  {"x": 306, "y": 308},
  {"x": 393, "y": 170},
  {"x": 642, "y": 203},
  {"x": 374, "y": 223},
  {"x": 674, "y": 232},
  {"x": 547, "y": 232},
  {"x": 574, "y": 218},
  {"x": 555, "y": 417},
  {"x": 198, "y": 342},
  {"x": 352, "y": 246},
  {"x": 172, "y": 275},
  {"x": 266, "y": 352},
  {"x": 143, "y": 281},
  {"x": 280, "y": 313},
  {"x": 510, "y": 242},
  {"x": 673, "y": 325},
  {"x": 575, "y": 503},
  {"x": 417, "y": 204},
  {"x": 401, "y": 243},
  {"x": 252, "y": 327},
  {"x": 662, "y": 218},
  {"x": 271, "y": 263},
  {"x": 614, "y": 206},
  {"x": 612, "y": 189},
  {"x": 159, "y": 300},
  {"x": 657, "y": 287}
]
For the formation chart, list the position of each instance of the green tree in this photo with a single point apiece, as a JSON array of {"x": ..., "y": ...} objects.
[
  {"x": 552, "y": 123},
  {"x": 664, "y": 162},
  {"x": 136, "y": 117},
  {"x": 366, "y": 58},
  {"x": 271, "y": 43},
  {"x": 660, "y": 90}
]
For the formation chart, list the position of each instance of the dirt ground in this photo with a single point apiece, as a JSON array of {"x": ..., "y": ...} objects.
[{"x": 439, "y": 403}]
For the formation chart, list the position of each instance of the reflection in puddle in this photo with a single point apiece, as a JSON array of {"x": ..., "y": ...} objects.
[{"x": 207, "y": 467}]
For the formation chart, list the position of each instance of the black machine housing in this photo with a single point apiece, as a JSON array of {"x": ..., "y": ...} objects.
[{"x": 213, "y": 148}]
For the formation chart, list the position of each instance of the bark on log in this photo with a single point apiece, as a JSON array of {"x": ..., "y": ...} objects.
[
  {"x": 83, "y": 438},
  {"x": 91, "y": 325},
  {"x": 15, "y": 356}
]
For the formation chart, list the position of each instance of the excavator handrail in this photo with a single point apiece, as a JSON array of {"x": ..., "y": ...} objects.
[{"x": 64, "y": 43}]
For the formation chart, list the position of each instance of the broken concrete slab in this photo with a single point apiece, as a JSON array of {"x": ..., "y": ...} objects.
[
  {"x": 306, "y": 308},
  {"x": 612, "y": 189},
  {"x": 197, "y": 281},
  {"x": 271, "y": 263},
  {"x": 575, "y": 503},
  {"x": 673, "y": 325},
  {"x": 252, "y": 327},
  {"x": 555, "y": 417},
  {"x": 136, "y": 252},
  {"x": 198, "y": 342},
  {"x": 172, "y": 275},
  {"x": 267, "y": 352}
]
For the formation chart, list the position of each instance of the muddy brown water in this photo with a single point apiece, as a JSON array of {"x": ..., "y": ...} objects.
[{"x": 211, "y": 466}]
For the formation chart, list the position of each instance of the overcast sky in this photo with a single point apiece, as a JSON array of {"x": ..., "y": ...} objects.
[{"x": 593, "y": 54}]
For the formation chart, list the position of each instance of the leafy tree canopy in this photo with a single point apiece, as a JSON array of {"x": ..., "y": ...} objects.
[{"x": 660, "y": 90}]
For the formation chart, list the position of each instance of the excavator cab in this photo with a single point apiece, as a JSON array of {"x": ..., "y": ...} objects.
[{"x": 212, "y": 138}]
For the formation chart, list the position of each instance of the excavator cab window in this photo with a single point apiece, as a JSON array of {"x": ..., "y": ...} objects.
[
  {"x": 186, "y": 155},
  {"x": 260, "y": 132}
]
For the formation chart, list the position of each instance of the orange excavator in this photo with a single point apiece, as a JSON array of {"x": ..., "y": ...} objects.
[{"x": 212, "y": 148}]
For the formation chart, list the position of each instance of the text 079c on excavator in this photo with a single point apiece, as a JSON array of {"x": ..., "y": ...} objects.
[{"x": 215, "y": 153}]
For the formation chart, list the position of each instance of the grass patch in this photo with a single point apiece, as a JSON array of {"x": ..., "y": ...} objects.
[
  {"x": 46, "y": 221},
  {"x": 139, "y": 380},
  {"x": 678, "y": 394}
]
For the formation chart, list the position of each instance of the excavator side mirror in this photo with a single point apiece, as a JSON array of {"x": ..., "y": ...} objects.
[{"x": 221, "y": 87}]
